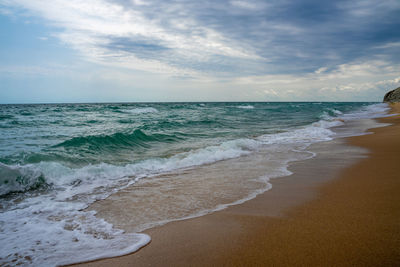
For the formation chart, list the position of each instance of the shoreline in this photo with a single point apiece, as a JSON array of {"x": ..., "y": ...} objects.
[{"x": 302, "y": 226}]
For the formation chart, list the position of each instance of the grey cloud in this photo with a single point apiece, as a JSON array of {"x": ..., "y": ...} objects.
[
  {"x": 291, "y": 36},
  {"x": 254, "y": 37}
]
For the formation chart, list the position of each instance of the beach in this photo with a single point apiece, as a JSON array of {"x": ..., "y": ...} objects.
[{"x": 345, "y": 214}]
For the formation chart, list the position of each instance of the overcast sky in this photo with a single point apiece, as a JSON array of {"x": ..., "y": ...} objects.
[{"x": 184, "y": 50}]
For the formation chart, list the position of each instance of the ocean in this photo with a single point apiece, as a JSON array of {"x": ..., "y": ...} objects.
[{"x": 176, "y": 160}]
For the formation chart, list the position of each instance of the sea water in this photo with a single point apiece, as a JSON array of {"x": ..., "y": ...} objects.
[{"x": 176, "y": 161}]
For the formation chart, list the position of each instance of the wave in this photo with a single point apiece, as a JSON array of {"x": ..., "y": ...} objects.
[
  {"x": 57, "y": 174},
  {"x": 246, "y": 107},
  {"x": 18, "y": 179},
  {"x": 142, "y": 110},
  {"x": 26, "y": 113},
  {"x": 118, "y": 140},
  {"x": 330, "y": 113},
  {"x": 6, "y": 116},
  {"x": 189, "y": 124},
  {"x": 370, "y": 111},
  {"x": 44, "y": 173},
  {"x": 92, "y": 121},
  {"x": 337, "y": 112}
]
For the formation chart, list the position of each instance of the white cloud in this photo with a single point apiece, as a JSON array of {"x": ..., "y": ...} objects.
[
  {"x": 388, "y": 45},
  {"x": 270, "y": 92},
  {"x": 244, "y": 4},
  {"x": 368, "y": 8},
  {"x": 321, "y": 70},
  {"x": 140, "y": 2},
  {"x": 89, "y": 26},
  {"x": 358, "y": 80}
]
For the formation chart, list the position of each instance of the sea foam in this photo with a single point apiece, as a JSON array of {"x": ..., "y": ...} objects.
[
  {"x": 142, "y": 110},
  {"x": 246, "y": 107}
]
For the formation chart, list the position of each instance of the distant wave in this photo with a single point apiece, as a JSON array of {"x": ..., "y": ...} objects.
[
  {"x": 330, "y": 113},
  {"x": 337, "y": 112},
  {"x": 246, "y": 107},
  {"x": 4, "y": 117},
  {"x": 142, "y": 110}
]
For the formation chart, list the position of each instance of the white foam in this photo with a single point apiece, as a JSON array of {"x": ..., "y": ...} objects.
[
  {"x": 43, "y": 232},
  {"x": 75, "y": 189},
  {"x": 246, "y": 107},
  {"x": 142, "y": 110},
  {"x": 337, "y": 112},
  {"x": 17, "y": 178},
  {"x": 368, "y": 112},
  {"x": 316, "y": 132}
]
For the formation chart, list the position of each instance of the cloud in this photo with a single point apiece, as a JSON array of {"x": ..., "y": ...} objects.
[
  {"x": 321, "y": 70},
  {"x": 279, "y": 50},
  {"x": 360, "y": 81},
  {"x": 190, "y": 36},
  {"x": 244, "y": 4},
  {"x": 368, "y": 8},
  {"x": 388, "y": 45},
  {"x": 110, "y": 32}
]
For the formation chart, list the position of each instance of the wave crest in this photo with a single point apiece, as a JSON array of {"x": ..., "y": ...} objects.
[
  {"x": 246, "y": 107},
  {"x": 15, "y": 179},
  {"x": 104, "y": 142},
  {"x": 142, "y": 110}
]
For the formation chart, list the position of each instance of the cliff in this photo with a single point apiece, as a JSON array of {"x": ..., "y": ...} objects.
[{"x": 392, "y": 96}]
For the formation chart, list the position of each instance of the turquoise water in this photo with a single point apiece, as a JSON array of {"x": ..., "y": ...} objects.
[
  {"x": 81, "y": 134},
  {"x": 57, "y": 159}
]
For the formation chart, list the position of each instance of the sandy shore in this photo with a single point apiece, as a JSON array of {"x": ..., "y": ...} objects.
[{"x": 323, "y": 215}]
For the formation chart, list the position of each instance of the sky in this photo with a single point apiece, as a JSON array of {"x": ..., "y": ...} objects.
[{"x": 183, "y": 50}]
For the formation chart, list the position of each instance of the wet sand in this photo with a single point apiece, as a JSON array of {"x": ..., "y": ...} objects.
[{"x": 334, "y": 210}]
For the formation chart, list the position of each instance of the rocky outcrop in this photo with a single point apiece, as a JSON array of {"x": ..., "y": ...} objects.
[{"x": 392, "y": 96}]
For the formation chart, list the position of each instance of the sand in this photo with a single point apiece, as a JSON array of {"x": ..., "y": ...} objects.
[{"x": 334, "y": 211}]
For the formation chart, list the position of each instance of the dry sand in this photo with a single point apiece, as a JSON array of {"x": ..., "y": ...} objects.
[{"x": 307, "y": 219}]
